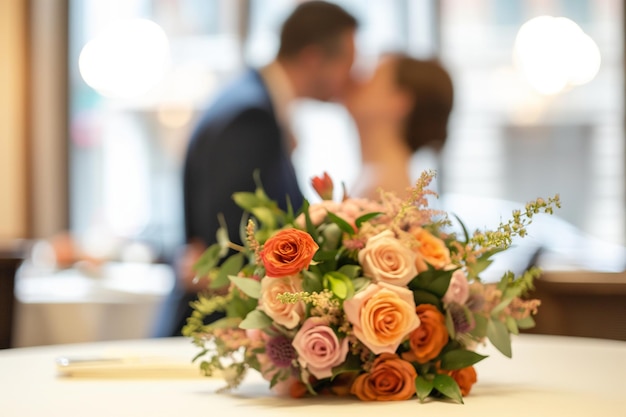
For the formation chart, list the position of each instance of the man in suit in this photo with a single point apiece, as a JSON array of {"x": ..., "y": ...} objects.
[{"x": 246, "y": 129}]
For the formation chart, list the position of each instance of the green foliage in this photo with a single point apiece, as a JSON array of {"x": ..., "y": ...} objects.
[
  {"x": 433, "y": 281},
  {"x": 459, "y": 359},
  {"x": 343, "y": 225},
  {"x": 231, "y": 266},
  {"x": 423, "y": 388},
  {"x": 498, "y": 335},
  {"x": 250, "y": 287},
  {"x": 366, "y": 217},
  {"x": 425, "y": 297},
  {"x": 447, "y": 386},
  {"x": 208, "y": 260},
  {"x": 256, "y": 319},
  {"x": 351, "y": 364},
  {"x": 339, "y": 284}
]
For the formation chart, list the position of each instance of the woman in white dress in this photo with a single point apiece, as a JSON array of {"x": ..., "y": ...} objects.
[{"x": 402, "y": 108}]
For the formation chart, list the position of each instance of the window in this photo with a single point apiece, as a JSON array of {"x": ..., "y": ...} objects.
[{"x": 507, "y": 142}]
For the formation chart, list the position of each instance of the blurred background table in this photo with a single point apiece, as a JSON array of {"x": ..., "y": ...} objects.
[
  {"x": 548, "y": 376},
  {"x": 119, "y": 300}
]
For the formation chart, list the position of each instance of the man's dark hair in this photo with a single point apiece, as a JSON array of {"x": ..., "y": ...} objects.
[{"x": 314, "y": 23}]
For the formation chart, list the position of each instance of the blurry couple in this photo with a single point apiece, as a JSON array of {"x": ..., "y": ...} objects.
[{"x": 401, "y": 108}]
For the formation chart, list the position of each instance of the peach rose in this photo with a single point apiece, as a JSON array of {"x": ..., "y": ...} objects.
[
  {"x": 431, "y": 249},
  {"x": 319, "y": 348},
  {"x": 465, "y": 378},
  {"x": 386, "y": 259},
  {"x": 427, "y": 340},
  {"x": 382, "y": 315},
  {"x": 390, "y": 379},
  {"x": 458, "y": 290},
  {"x": 285, "y": 314},
  {"x": 288, "y": 252},
  {"x": 318, "y": 212}
]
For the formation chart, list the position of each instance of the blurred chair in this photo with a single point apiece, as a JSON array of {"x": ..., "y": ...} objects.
[
  {"x": 581, "y": 303},
  {"x": 10, "y": 260}
]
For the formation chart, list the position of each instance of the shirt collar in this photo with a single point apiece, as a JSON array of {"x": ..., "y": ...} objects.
[{"x": 280, "y": 90}]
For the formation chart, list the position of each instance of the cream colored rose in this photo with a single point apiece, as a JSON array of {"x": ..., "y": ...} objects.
[
  {"x": 382, "y": 316},
  {"x": 285, "y": 314},
  {"x": 387, "y": 259}
]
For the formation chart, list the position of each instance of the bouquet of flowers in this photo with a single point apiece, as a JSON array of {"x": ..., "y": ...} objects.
[{"x": 377, "y": 299}]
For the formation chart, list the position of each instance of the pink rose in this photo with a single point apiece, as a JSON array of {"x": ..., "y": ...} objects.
[
  {"x": 319, "y": 349},
  {"x": 382, "y": 315},
  {"x": 285, "y": 314},
  {"x": 458, "y": 291},
  {"x": 387, "y": 259},
  {"x": 318, "y": 212}
]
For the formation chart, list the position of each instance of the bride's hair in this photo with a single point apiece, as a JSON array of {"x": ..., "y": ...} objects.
[{"x": 430, "y": 86}]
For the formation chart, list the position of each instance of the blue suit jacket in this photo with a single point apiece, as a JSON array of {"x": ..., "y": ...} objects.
[{"x": 237, "y": 135}]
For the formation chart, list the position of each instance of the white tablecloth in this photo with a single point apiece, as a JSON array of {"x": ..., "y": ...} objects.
[
  {"x": 549, "y": 376},
  {"x": 70, "y": 306}
]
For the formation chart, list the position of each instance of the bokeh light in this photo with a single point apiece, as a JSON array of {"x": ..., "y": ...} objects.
[
  {"x": 554, "y": 54},
  {"x": 126, "y": 60}
]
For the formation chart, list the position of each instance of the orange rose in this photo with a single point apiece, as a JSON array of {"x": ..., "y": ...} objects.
[
  {"x": 465, "y": 377},
  {"x": 382, "y": 316},
  {"x": 297, "y": 389},
  {"x": 431, "y": 249},
  {"x": 390, "y": 379},
  {"x": 288, "y": 252},
  {"x": 427, "y": 340}
]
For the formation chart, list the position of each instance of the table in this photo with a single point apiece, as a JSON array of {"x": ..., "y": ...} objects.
[
  {"x": 72, "y": 306},
  {"x": 549, "y": 376}
]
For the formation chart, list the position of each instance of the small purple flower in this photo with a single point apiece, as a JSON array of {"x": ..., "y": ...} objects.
[
  {"x": 280, "y": 351},
  {"x": 462, "y": 318},
  {"x": 475, "y": 302}
]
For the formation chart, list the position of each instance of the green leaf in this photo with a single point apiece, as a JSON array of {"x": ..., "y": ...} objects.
[
  {"x": 511, "y": 324},
  {"x": 526, "y": 323},
  {"x": 351, "y": 271},
  {"x": 433, "y": 280},
  {"x": 465, "y": 233},
  {"x": 423, "y": 388},
  {"x": 231, "y": 266},
  {"x": 480, "y": 330},
  {"x": 498, "y": 335},
  {"x": 351, "y": 364},
  {"x": 450, "y": 325},
  {"x": 225, "y": 323},
  {"x": 360, "y": 283},
  {"x": 446, "y": 385},
  {"x": 249, "y": 286},
  {"x": 339, "y": 284},
  {"x": 343, "y": 225},
  {"x": 360, "y": 220},
  {"x": 256, "y": 319},
  {"x": 289, "y": 216},
  {"x": 425, "y": 297},
  {"x": 266, "y": 216},
  {"x": 325, "y": 255},
  {"x": 238, "y": 307},
  {"x": 331, "y": 236},
  {"x": 501, "y": 306},
  {"x": 248, "y": 201},
  {"x": 459, "y": 359},
  {"x": 311, "y": 282},
  {"x": 208, "y": 260},
  {"x": 310, "y": 228}
]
